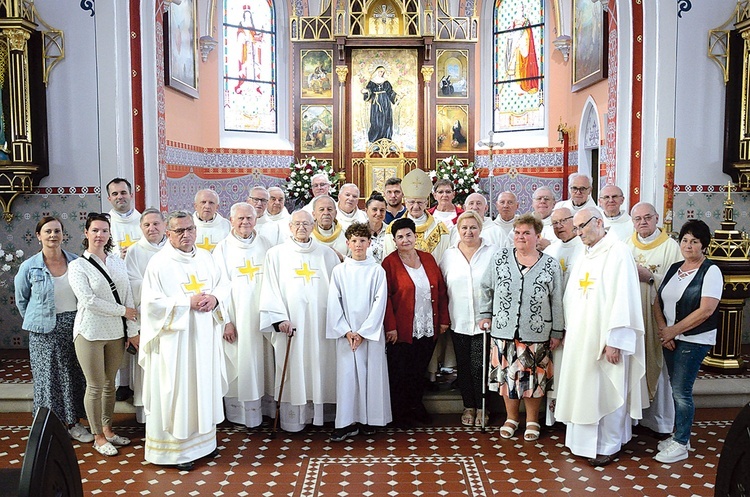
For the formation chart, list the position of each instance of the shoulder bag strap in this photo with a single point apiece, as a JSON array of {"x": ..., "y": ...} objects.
[{"x": 114, "y": 292}]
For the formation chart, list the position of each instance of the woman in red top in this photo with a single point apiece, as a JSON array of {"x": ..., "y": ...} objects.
[{"x": 416, "y": 313}]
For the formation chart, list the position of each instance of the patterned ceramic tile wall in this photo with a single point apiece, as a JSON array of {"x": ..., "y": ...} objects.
[{"x": 72, "y": 209}]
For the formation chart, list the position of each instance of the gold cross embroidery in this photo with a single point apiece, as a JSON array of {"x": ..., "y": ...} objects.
[
  {"x": 194, "y": 286},
  {"x": 563, "y": 266},
  {"x": 127, "y": 241},
  {"x": 305, "y": 272},
  {"x": 248, "y": 269},
  {"x": 585, "y": 283},
  {"x": 206, "y": 244}
]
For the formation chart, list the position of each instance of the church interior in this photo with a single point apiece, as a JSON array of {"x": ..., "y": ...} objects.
[{"x": 182, "y": 95}]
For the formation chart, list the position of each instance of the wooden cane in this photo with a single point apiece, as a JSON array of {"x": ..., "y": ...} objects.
[{"x": 281, "y": 387}]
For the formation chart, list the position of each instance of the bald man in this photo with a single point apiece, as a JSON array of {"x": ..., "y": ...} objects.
[
  {"x": 616, "y": 220},
  {"x": 579, "y": 188},
  {"x": 491, "y": 232},
  {"x": 211, "y": 227},
  {"x": 347, "y": 210},
  {"x": 542, "y": 204},
  {"x": 507, "y": 208}
]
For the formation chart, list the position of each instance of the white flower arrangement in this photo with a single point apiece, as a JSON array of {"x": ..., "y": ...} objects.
[
  {"x": 11, "y": 259},
  {"x": 464, "y": 177},
  {"x": 298, "y": 184}
]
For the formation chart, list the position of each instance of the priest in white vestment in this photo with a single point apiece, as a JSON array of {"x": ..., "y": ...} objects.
[
  {"x": 600, "y": 389},
  {"x": 184, "y": 376},
  {"x": 507, "y": 209},
  {"x": 259, "y": 198},
  {"x": 294, "y": 296},
  {"x": 491, "y": 232},
  {"x": 320, "y": 185},
  {"x": 277, "y": 212},
  {"x": 249, "y": 355},
  {"x": 579, "y": 188},
  {"x": 654, "y": 252},
  {"x": 153, "y": 228},
  {"x": 347, "y": 208},
  {"x": 542, "y": 204},
  {"x": 327, "y": 230},
  {"x": 211, "y": 226},
  {"x": 616, "y": 219},
  {"x": 566, "y": 249},
  {"x": 125, "y": 230},
  {"x": 356, "y": 308}
]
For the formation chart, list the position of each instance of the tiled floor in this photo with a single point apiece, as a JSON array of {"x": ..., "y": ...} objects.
[{"x": 440, "y": 460}]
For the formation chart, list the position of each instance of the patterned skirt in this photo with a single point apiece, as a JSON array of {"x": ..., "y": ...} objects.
[
  {"x": 519, "y": 370},
  {"x": 59, "y": 383}
]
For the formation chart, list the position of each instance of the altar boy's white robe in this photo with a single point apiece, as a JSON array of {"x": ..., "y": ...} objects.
[
  {"x": 209, "y": 233},
  {"x": 596, "y": 399},
  {"x": 356, "y": 302},
  {"x": 249, "y": 359},
  {"x": 181, "y": 352},
  {"x": 295, "y": 288},
  {"x": 136, "y": 260}
]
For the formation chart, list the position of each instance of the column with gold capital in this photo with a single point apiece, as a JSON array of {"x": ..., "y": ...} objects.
[
  {"x": 18, "y": 83},
  {"x": 427, "y": 72},
  {"x": 342, "y": 72}
]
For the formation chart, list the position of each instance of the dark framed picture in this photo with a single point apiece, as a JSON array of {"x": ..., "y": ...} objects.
[
  {"x": 181, "y": 48},
  {"x": 453, "y": 73},
  {"x": 589, "y": 43},
  {"x": 452, "y": 128}
]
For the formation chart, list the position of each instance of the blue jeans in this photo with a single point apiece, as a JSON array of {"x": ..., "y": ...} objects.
[{"x": 682, "y": 364}]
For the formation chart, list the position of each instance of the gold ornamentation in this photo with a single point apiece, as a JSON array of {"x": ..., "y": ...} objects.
[
  {"x": 17, "y": 39},
  {"x": 342, "y": 72},
  {"x": 427, "y": 72}
]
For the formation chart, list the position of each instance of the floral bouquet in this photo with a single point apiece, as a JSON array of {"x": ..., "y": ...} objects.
[
  {"x": 465, "y": 178},
  {"x": 298, "y": 184}
]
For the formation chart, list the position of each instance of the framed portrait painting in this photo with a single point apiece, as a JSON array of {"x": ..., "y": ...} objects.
[
  {"x": 589, "y": 46},
  {"x": 453, "y": 73},
  {"x": 181, "y": 48},
  {"x": 317, "y": 79},
  {"x": 316, "y": 132},
  {"x": 452, "y": 128}
]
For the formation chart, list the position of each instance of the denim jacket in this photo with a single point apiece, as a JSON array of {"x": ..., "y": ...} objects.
[{"x": 35, "y": 294}]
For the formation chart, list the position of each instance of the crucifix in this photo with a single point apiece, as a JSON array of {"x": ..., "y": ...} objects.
[{"x": 384, "y": 15}]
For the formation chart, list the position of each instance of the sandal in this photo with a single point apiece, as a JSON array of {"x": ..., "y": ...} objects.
[
  {"x": 467, "y": 418},
  {"x": 481, "y": 414},
  {"x": 509, "y": 428},
  {"x": 106, "y": 450},
  {"x": 531, "y": 434},
  {"x": 118, "y": 441}
]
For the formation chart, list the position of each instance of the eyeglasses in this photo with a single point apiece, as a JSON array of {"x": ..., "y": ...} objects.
[
  {"x": 302, "y": 224},
  {"x": 580, "y": 189},
  {"x": 416, "y": 202},
  {"x": 320, "y": 185},
  {"x": 561, "y": 221},
  {"x": 259, "y": 200},
  {"x": 182, "y": 231},
  {"x": 578, "y": 229},
  {"x": 647, "y": 218},
  {"x": 610, "y": 197},
  {"x": 543, "y": 199}
]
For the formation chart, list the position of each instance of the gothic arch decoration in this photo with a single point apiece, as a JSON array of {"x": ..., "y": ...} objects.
[{"x": 589, "y": 142}]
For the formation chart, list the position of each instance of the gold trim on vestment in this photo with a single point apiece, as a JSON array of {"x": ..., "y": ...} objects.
[
  {"x": 663, "y": 237},
  {"x": 327, "y": 239}
]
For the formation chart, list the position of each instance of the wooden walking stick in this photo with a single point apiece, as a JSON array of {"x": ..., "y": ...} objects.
[{"x": 281, "y": 387}]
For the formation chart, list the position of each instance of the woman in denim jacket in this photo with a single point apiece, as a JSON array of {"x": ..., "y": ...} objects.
[{"x": 48, "y": 306}]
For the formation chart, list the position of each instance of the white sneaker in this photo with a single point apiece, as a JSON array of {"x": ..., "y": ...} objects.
[
  {"x": 667, "y": 442},
  {"x": 672, "y": 453},
  {"x": 80, "y": 433}
]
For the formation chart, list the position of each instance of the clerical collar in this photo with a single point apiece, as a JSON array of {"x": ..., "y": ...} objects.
[
  {"x": 350, "y": 214},
  {"x": 123, "y": 216},
  {"x": 160, "y": 243},
  {"x": 500, "y": 220},
  {"x": 577, "y": 207},
  {"x": 618, "y": 216},
  {"x": 328, "y": 231},
  {"x": 419, "y": 220},
  {"x": 650, "y": 238},
  {"x": 247, "y": 240},
  {"x": 302, "y": 244}
]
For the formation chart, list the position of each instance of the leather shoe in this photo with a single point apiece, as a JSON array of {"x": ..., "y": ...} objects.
[
  {"x": 600, "y": 460},
  {"x": 214, "y": 454},
  {"x": 185, "y": 466},
  {"x": 123, "y": 393}
]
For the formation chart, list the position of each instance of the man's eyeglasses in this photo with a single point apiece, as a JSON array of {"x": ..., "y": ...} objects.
[
  {"x": 561, "y": 221},
  {"x": 320, "y": 185},
  {"x": 578, "y": 229},
  {"x": 258, "y": 200},
  {"x": 610, "y": 197},
  {"x": 182, "y": 231},
  {"x": 647, "y": 218},
  {"x": 580, "y": 189},
  {"x": 302, "y": 224}
]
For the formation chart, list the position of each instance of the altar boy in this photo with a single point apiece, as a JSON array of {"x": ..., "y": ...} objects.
[{"x": 356, "y": 307}]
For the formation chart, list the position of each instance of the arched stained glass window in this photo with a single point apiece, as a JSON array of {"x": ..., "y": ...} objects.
[
  {"x": 518, "y": 56},
  {"x": 250, "y": 66}
]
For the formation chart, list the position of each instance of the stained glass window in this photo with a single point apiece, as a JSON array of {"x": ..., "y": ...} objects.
[
  {"x": 518, "y": 55},
  {"x": 250, "y": 66}
]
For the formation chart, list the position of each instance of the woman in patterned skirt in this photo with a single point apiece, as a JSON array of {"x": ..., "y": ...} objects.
[
  {"x": 48, "y": 306},
  {"x": 521, "y": 300}
]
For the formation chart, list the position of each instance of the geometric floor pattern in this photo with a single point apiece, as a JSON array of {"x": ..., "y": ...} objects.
[{"x": 440, "y": 460}]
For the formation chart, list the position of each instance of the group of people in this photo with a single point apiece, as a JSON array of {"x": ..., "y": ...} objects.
[{"x": 573, "y": 308}]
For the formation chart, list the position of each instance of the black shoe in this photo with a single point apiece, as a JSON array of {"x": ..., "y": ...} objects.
[
  {"x": 213, "y": 454},
  {"x": 341, "y": 434},
  {"x": 603, "y": 460},
  {"x": 185, "y": 466},
  {"x": 421, "y": 415},
  {"x": 367, "y": 430},
  {"x": 123, "y": 393}
]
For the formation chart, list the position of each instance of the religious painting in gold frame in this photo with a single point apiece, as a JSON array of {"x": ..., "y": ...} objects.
[
  {"x": 181, "y": 47},
  {"x": 317, "y": 76},
  {"x": 590, "y": 29},
  {"x": 452, "y": 123},
  {"x": 380, "y": 170},
  {"x": 384, "y": 97},
  {"x": 452, "y": 73},
  {"x": 316, "y": 128}
]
